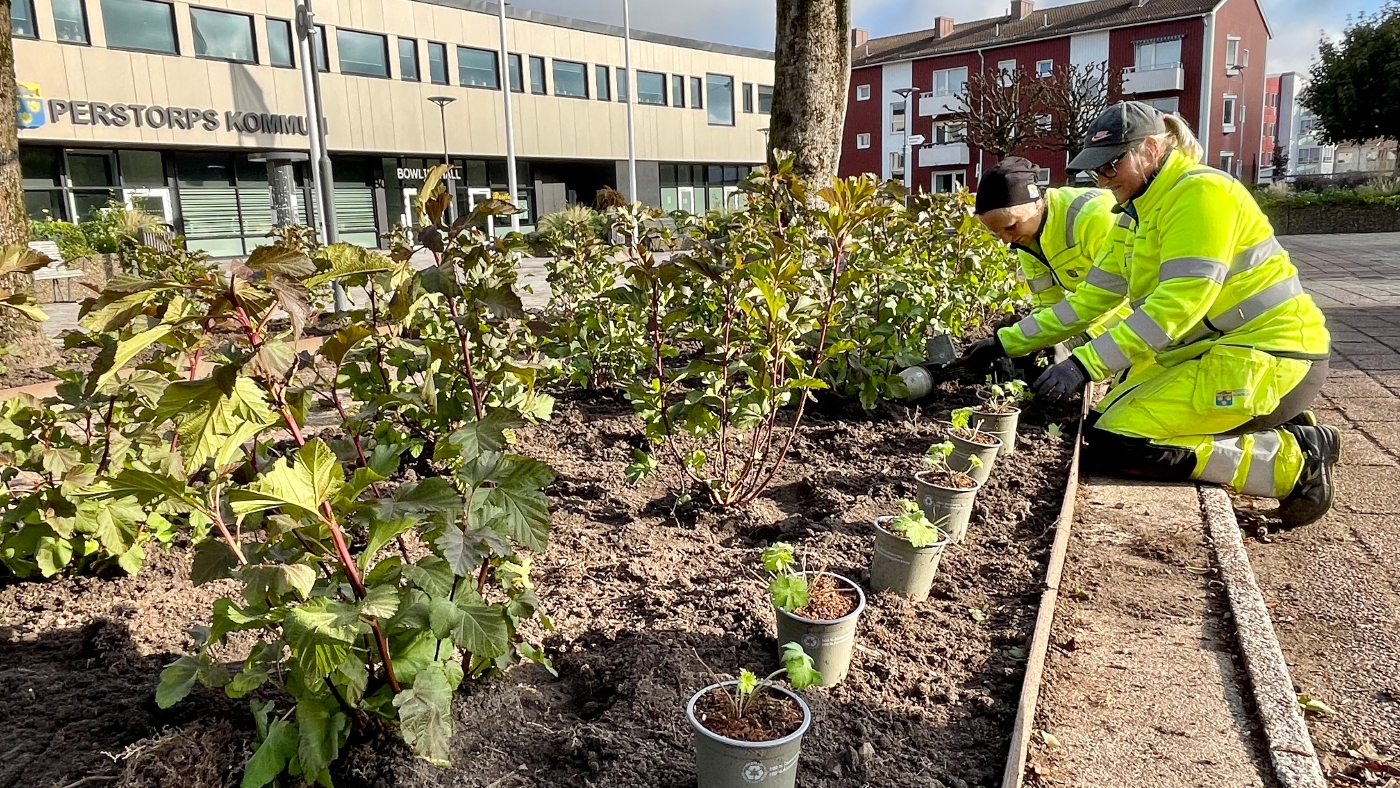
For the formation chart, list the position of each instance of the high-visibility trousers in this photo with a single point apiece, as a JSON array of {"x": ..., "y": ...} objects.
[{"x": 1184, "y": 421}]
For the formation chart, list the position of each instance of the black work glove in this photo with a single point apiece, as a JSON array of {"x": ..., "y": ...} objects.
[
  {"x": 1061, "y": 381},
  {"x": 982, "y": 354}
]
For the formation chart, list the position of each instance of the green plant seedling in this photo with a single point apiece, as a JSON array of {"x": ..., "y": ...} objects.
[
  {"x": 801, "y": 674},
  {"x": 963, "y": 427},
  {"x": 914, "y": 525},
  {"x": 937, "y": 459},
  {"x": 1055, "y": 431},
  {"x": 788, "y": 587},
  {"x": 1002, "y": 397}
]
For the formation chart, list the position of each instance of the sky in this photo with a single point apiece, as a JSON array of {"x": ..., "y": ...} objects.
[{"x": 1297, "y": 24}]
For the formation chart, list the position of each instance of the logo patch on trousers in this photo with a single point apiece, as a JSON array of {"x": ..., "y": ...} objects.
[{"x": 1226, "y": 399}]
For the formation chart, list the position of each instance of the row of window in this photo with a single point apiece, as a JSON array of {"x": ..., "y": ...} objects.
[{"x": 149, "y": 26}]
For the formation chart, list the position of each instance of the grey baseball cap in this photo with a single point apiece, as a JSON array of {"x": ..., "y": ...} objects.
[{"x": 1116, "y": 131}]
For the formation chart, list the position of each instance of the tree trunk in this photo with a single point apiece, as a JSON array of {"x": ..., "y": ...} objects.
[
  {"x": 811, "y": 75},
  {"x": 25, "y": 338}
]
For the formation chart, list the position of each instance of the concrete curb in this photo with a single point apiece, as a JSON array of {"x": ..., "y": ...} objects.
[{"x": 1286, "y": 734}]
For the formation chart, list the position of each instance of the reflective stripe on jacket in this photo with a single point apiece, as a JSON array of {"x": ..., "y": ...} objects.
[
  {"x": 1071, "y": 236},
  {"x": 1202, "y": 268}
]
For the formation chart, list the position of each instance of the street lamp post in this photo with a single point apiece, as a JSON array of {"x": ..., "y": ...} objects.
[
  {"x": 512, "y": 178},
  {"x": 442, "y": 102},
  {"x": 322, "y": 179},
  {"x": 631, "y": 92},
  {"x": 905, "y": 93}
]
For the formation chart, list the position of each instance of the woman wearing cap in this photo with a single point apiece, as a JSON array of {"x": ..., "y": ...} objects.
[
  {"x": 1223, "y": 351},
  {"x": 1058, "y": 233}
]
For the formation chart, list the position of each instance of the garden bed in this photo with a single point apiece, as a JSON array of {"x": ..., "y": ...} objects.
[{"x": 646, "y": 600}]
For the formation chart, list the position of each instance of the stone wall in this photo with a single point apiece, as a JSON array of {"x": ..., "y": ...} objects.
[{"x": 1329, "y": 219}]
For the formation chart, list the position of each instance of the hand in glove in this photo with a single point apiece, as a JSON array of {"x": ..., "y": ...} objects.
[
  {"x": 1061, "y": 381},
  {"x": 983, "y": 354}
]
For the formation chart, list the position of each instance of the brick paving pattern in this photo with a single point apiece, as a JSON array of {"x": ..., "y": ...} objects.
[{"x": 1334, "y": 587}]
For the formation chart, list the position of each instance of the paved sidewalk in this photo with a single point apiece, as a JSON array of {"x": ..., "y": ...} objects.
[{"x": 1334, "y": 587}]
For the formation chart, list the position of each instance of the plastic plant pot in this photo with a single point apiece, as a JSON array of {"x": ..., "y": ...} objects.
[
  {"x": 963, "y": 448},
  {"x": 1002, "y": 425},
  {"x": 954, "y": 503},
  {"x": 830, "y": 644},
  {"x": 721, "y": 762},
  {"x": 900, "y": 567}
]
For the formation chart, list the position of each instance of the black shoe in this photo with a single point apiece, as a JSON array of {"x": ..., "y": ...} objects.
[
  {"x": 1312, "y": 497},
  {"x": 1305, "y": 419}
]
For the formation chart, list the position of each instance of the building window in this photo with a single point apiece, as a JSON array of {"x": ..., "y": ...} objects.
[
  {"x": 437, "y": 63},
  {"x": 1152, "y": 55},
  {"x": 719, "y": 96},
  {"x": 1227, "y": 161},
  {"x": 477, "y": 68},
  {"x": 944, "y": 182},
  {"x": 1232, "y": 52},
  {"x": 1006, "y": 66},
  {"x": 678, "y": 91},
  {"x": 318, "y": 47},
  {"x": 537, "y": 82},
  {"x": 1042, "y": 176},
  {"x": 1227, "y": 114},
  {"x": 651, "y": 88},
  {"x": 1043, "y": 124},
  {"x": 1044, "y": 68},
  {"x": 570, "y": 79},
  {"x": 602, "y": 82},
  {"x": 949, "y": 82},
  {"x": 947, "y": 133},
  {"x": 897, "y": 117},
  {"x": 624, "y": 92},
  {"x": 862, "y": 141},
  {"x": 697, "y": 98},
  {"x": 219, "y": 35},
  {"x": 897, "y": 162},
  {"x": 22, "y": 19},
  {"x": 765, "y": 99},
  {"x": 70, "y": 21},
  {"x": 362, "y": 54},
  {"x": 1167, "y": 105},
  {"x": 408, "y": 60},
  {"x": 748, "y": 98},
  {"x": 279, "y": 42},
  {"x": 514, "y": 75},
  {"x": 143, "y": 25},
  {"x": 862, "y": 92}
]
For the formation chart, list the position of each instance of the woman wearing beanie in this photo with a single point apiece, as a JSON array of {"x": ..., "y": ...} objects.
[{"x": 1223, "y": 352}]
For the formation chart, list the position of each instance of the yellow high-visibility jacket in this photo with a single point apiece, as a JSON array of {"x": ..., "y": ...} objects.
[{"x": 1200, "y": 267}]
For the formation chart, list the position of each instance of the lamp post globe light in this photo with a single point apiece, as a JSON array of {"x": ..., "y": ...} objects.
[{"x": 442, "y": 102}]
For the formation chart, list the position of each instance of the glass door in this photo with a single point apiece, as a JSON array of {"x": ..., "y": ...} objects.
[
  {"x": 410, "y": 194},
  {"x": 477, "y": 195},
  {"x": 687, "y": 198}
]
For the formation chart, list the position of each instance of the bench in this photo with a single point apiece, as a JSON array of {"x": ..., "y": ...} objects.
[{"x": 56, "y": 271}]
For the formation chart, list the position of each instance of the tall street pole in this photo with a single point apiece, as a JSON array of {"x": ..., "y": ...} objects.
[
  {"x": 631, "y": 126},
  {"x": 905, "y": 93},
  {"x": 316, "y": 130},
  {"x": 512, "y": 178},
  {"x": 442, "y": 102}
]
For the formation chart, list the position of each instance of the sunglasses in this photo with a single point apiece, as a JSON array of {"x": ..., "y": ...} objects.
[{"x": 1109, "y": 170}]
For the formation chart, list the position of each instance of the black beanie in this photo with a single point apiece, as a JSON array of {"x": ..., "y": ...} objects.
[{"x": 1011, "y": 182}]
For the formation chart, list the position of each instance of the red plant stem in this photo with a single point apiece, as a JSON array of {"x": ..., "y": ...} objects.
[
  {"x": 107, "y": 433},
  {"x": 724, "y": 390},
  {"x": 342, "y": 550},
  {"x": 467, "y": 359},
  {"x": 218, "y": 518}
]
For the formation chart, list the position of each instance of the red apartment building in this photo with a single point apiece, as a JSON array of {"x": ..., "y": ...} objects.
[
  {"x": 1201, "y": 59},
  {"x": 1269, "y": 132}
]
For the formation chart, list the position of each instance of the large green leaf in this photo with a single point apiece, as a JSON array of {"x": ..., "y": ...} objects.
[
  {"x": 272, "y": 756},
  {"x": 281, "y": 260},
  {"x": 320, "y": 634},
  {"x": 211, "y": 413},
  {"x": 52, "y": 555},
  {"x": 486, "y": 435},
  {"x": 380, "y": 602},
  {"x": 338, "y": 345},
  {"x": 482, "y": 630},
  {"x": 275, "y": 581},
  {"x": 381, "y": 533},
  {"x": 21, "y": 259},
  {"x": 322, "y": 728},
  {"x": 348, "y": 260},
  {"x": 130, "y": 348},
  {"x": 314, "y": 479},
  {"x": 432, "y": 495},
  {"x": 176, "y": 681},
  {"x": 425, "y": 715}
]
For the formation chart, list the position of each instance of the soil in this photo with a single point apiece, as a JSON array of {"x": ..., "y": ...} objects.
[
  {"x": 948, "y": 480},
  {"x": 994, "y": 410},
  {"x": 827, "y": 600},
  {"x": 769, "y": 716},
  {"x": 972, "y": 436},
  {"x": 650, "y": 600}
]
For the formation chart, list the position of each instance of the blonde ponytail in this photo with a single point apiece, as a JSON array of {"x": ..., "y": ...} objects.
[{"x": 1179, "y": 136}]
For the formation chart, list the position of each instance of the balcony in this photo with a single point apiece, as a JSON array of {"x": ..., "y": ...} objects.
[
  {"x": 933, "y": 106},
  {"x": 1154, "y": 80},
  {"x": 951, "y": 154}
]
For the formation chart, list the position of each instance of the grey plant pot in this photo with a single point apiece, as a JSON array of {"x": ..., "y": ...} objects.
[
  {"x": 963, "y": 448},
  {"x": 721, "y": 762},
  {"x": 830, "y": 644},
  {"x": 900, "y": 567},
  {"x": 955, "y": 504},
  {"x": 1002, "y": 425}
]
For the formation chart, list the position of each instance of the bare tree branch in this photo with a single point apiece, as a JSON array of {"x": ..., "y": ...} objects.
[
  {"x": 1001, "y": 112},
  {"x": 1074, "y": 95}
]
